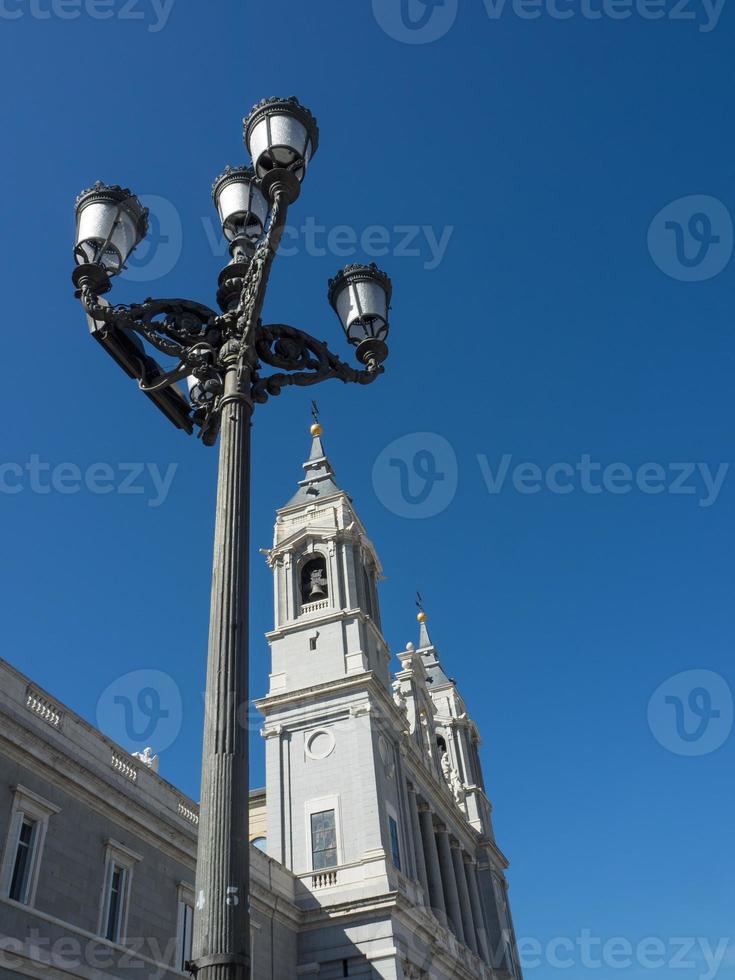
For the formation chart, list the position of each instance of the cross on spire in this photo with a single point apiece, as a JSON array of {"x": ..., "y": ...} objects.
[{"x": 424, "y": 640}]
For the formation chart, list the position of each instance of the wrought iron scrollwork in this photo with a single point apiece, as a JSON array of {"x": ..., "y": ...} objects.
[
  {"x": 203, "y": 343},
  {"x": 170, "y": 325},
  {"x": 303, "y": 360},
  {"x": 183, "y": 320}
]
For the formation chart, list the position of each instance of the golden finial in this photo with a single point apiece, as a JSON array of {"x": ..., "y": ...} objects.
[
  {"x": 422, "y": 617},
  {"x": 317, "y": 429}
]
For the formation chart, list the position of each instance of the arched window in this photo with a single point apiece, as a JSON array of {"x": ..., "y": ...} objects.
[
  {"x": 261, "y": 843},
  {"x": 314, "y": 584},
  {"x": 441, "y": 745}
]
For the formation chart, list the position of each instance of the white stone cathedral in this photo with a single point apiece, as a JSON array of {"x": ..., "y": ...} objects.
[
  {"x": 373, "y": 850},
  {"x": 374, "y": 788}
]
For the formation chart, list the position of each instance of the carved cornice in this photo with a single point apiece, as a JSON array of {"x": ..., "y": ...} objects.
[
  {"x": 329, "y": 616},
  {"x": 359, "y": 710},
  {"x": 167, "y": 831},
  {"x": 309, "y": 694},
  {"x": 274, "y": 732}
]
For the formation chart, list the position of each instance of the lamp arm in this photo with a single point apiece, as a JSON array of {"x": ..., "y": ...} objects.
[
  {"x": 186, "y": 324},
  {"x": 198, "y": 360},
  {"x": 207, "y": 346},
  {"x": 304, "y": 360}
]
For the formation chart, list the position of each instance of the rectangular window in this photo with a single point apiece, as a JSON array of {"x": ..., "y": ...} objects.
[
  {"x": 23, "y": 863},
  {"x": 115, "y": 903},
  {"x": 186, "y": 921},
  {"x": 323, "y": 840},
  {"x": 22, "y": 852},
  {"x": 394, "y": 845},
  {"x": 117, "y": 883}
]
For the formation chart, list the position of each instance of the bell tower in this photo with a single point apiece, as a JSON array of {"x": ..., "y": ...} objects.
[
  {"x": 331, "y": 758},
  {"x": 374, "y": 792},
  {"x": 325, "y": 575}
]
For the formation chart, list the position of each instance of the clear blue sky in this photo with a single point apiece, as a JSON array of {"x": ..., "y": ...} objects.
[{"x": 552, "y": 328}]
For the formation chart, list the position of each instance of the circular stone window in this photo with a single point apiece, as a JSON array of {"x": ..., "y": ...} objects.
[{"x": 320, "y": 744}]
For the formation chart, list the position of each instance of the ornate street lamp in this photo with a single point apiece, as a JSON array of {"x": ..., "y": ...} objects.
[
  {"x": 360, "y": 296},
  {"x": 281, "y": 134},
  {"x": 241, "y": 204},
  {"x": 222, "y": 359},
  {"x": 110, "y": 223}
]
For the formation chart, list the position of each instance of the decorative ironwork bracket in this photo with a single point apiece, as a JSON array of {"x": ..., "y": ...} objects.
[
  {"x": 199, "y": 340},
  {"x": 304, "y": 361},
  {"x": 205, "y": 344}
]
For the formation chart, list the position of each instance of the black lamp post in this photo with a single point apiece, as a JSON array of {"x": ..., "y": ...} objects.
[{"x": 220, "y": 358}]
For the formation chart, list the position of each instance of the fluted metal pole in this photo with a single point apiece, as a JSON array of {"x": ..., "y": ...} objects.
[{"x": 221, "y": 948}]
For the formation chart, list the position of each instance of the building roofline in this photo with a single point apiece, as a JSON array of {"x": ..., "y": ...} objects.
[{"x": 70, "y": 715}]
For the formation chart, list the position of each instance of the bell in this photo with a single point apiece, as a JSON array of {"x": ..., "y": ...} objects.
[{"x": 317, "y": 591}]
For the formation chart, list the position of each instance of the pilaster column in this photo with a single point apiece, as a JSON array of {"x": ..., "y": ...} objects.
[
  {"x": 431, "y": 856},
  {"x": 468, "y": 922},
  {"x": 277, "y": 761},
  {"x": 480, "y": 929},
  {"x": 418, "y": 847},
  {"x": 497, "y": 934},
  {"x": 449, "y": 880},
  {"x": 462, "y": 736}
]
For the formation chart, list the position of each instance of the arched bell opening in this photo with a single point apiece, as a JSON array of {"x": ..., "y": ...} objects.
[{"x": 314, "y": 581}]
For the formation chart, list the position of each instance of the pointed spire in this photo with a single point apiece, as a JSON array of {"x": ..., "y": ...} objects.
[
  {"x": 424, "y": 638},
  {"x": 319, "y": 480},
  {"x": 429, "y": 654}
]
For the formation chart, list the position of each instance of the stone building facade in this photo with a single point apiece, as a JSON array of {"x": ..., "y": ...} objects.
[{"x": 374, "y": 853}]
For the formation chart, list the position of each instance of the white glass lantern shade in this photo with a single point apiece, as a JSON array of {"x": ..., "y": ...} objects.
[
  {"x": 281, "y": 134},
  {"x": 360, "y": 296},
  {"x": 242, "y": 206},
  {"x": 111, "y": 221}
]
